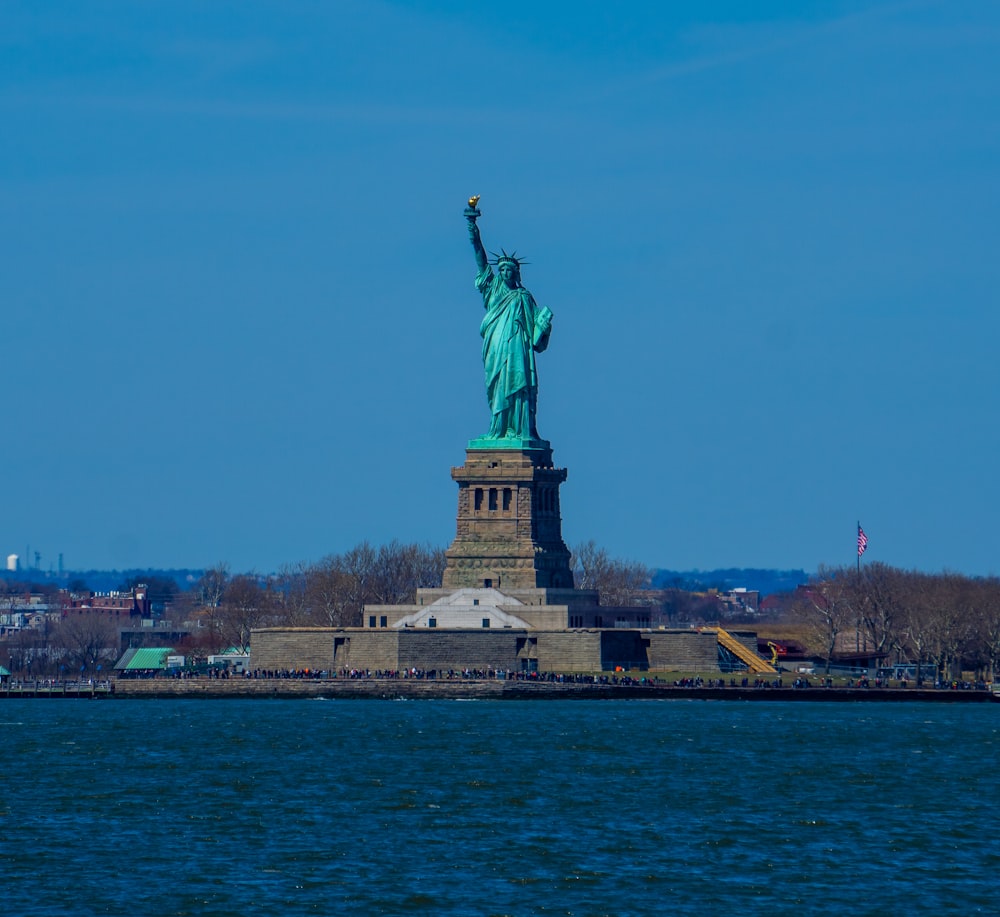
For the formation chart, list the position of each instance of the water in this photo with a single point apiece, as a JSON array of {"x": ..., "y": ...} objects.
[{"x": 177, "y": 807}]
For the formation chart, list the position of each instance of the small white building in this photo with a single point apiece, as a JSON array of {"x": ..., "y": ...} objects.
[{"x": 233, "y": 659}]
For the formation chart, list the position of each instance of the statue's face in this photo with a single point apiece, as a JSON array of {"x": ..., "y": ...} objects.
[{"x": 509, "y": 275}]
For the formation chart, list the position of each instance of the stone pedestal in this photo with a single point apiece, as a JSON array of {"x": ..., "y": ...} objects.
[{"x": 509, "y": 526}]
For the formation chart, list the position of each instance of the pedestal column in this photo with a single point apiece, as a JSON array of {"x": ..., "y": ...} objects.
[{"x": 509, "y": 527}]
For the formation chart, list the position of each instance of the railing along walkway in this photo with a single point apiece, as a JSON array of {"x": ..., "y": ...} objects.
[{"x": 46, "y": 687}]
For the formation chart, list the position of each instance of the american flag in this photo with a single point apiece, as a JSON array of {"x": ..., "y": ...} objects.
[{"x": 862, "y": 540}]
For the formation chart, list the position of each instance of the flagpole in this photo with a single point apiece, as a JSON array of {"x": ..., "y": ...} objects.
[{"x": 859, "y": 547}]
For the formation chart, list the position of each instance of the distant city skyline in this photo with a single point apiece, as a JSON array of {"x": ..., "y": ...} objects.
[{"x": 240, "y": 318}]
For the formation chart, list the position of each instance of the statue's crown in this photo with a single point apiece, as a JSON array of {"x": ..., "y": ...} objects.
[{"x": 504, "y": 258}]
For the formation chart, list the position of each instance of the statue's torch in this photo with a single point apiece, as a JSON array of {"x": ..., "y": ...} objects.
[{"x": 472, "y": 211}]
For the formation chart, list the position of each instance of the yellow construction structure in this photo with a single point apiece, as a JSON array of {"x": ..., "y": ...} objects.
[{"x": 754, "y": 663}]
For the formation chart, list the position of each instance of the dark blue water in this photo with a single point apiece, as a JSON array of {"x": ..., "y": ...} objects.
[{"x": 571, "y": 808}]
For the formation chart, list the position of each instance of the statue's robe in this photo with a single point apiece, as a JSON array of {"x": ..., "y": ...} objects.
[{"x": 514, "y": 329}]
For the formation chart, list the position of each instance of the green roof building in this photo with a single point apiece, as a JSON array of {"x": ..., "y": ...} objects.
[{"x": 144, "y": 658}]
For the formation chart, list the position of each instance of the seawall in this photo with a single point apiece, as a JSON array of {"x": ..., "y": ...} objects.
[{"x": 492, "y": 689}]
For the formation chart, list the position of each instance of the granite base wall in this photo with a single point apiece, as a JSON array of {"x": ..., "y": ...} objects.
[
  {"x": 683, "y": 650},
  {"x": 278, "y": 649},
  {"x": 331, "y": 649},
  {"x": 459, "y": 649}
]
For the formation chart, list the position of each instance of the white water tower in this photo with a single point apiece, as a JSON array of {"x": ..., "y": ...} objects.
[{"x": 12, "y": 564}]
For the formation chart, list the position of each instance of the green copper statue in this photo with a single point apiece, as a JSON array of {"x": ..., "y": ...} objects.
[{"x": 514, "y": 329}]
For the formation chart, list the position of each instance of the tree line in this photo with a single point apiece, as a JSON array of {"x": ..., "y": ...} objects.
[
  {"x": 329, "y": 593},
  {"x": 945, "y": 622},
  {"x": 225, "y": 607},
  {"x": 334, "y": 591},
  {"x": 221, "y": 608}
]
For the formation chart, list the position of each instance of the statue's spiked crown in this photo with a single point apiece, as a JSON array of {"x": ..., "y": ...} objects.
[{"x": 504, "y": 258}]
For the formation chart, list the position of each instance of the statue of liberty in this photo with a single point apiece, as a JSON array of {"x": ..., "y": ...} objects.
[{"x": 514, "y": 329}]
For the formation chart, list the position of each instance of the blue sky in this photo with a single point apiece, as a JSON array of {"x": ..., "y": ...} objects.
[{"x": 239, "y": 315}]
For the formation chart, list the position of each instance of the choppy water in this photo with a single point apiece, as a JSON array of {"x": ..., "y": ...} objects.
[{"x": 174, "y": 807}]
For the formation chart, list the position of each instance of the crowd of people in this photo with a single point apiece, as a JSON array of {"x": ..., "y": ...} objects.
[{"x": 619, "y": 677}]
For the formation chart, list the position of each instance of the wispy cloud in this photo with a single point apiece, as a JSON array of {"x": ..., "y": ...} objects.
[
  {"x": 756, "y": 41},
  {"x": 156, "y": 103},
  {"x": 212, "y": 58}
]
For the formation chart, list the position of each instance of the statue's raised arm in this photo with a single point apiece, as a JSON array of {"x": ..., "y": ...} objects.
[
  {"x": 472, "y": 214},
  {"x": 513, "y": 330}
]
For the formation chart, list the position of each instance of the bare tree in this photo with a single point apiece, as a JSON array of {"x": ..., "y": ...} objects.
[
  {"x": 826, "y": 606},
  {"x": 292, "y": 606},
  {"x": 332, "y": 593},
  {"x": 339, "y": 586},
  {"x": 88, "y": 641},
  {"x": 917, "y": 621},
  {"x": 988, "y": 624},
  {"x": 878, "y": 603},
  {"x": 619, "y": 583},
  {"x": 955, "y": 622},
  {"x": 360, "y": 564},
  {"x": 246, "y": 604},
  {"x": 211, "y": 585},
  {"x": 400, "y": 569},
  {"x": 28, "y": 652},
  {"x": 207, "y": 598}
]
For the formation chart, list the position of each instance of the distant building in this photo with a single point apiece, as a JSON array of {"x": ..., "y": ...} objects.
[
  {"x": 143, "y": 661},
  {"x": 740, "y": 601},
  {"x": 132, "y": 604}
]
